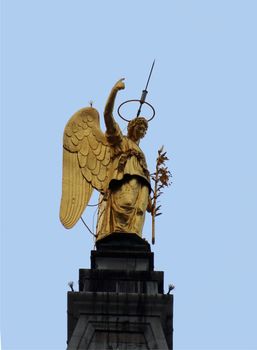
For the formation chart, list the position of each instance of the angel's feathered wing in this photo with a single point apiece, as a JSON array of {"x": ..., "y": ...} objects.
[{"x": 86, "y": 157}]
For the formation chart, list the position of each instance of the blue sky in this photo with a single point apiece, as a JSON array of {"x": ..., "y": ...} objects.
[{"x": 59, "y": 55}]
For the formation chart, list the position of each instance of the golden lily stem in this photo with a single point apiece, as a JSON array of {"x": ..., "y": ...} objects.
[{"x": 154, "y": 203}]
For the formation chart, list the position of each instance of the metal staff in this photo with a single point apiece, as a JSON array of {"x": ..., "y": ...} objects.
[
  {"x": 141, "y": 101},
  {"x": 145, "y": 92}
]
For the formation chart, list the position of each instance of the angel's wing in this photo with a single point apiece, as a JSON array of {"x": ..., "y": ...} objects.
[{"x": 86, "y": 157}]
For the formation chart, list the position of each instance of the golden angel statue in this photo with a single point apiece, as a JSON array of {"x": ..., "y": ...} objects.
[{"x": 109, "y": 162}]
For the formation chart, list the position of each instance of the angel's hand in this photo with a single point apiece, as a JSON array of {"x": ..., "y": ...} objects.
[
  {"x": 150, "y": 206},
  {"x": 119, "y": 85}
]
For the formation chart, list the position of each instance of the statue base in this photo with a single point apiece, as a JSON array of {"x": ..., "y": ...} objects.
[{"x": 120, "y": 303}]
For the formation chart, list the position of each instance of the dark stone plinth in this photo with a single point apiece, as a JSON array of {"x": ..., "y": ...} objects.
[
  {"x": 123, "y": 241},
  {"x": 122, "y": 251},
  {"x": 120, "y": 303},
  {"x": 118, "y": 281}
]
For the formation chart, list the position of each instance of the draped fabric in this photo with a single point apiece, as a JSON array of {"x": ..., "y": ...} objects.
[{"x": 123, "y": 208}]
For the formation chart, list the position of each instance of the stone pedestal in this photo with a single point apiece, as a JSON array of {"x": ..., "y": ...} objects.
[{"x": 120, "y": 303}]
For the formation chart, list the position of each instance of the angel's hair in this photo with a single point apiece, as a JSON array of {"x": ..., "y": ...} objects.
[{"x": 134, "y": 122}]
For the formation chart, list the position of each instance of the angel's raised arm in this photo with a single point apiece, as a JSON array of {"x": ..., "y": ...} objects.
[{"x": 108, "y": 111}]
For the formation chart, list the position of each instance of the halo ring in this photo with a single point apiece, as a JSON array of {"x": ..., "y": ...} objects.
[{"x": 127, "y": 120}]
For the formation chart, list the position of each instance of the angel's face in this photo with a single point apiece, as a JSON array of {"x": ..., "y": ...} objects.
[{"x": 139, "y": 131}]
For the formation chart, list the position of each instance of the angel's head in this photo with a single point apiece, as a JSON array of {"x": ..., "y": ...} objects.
[{"x": 137, "y": 128}]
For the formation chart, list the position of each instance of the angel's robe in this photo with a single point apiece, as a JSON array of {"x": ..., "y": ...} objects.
[{"x": 123, "y": 208}]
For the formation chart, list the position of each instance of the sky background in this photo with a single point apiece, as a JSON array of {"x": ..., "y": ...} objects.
[{"x": 58, "y": 55}]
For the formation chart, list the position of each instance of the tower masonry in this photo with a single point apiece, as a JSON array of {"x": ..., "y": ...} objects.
[{"x": 120, "y": 303}]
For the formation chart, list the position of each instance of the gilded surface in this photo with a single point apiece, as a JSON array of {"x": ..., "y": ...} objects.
[{"x": 112, "y": 163}]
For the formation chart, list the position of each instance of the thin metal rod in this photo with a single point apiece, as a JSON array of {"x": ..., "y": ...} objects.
[
  {"x": 92, "y": 233},
  {"x": 145, "y": 92},
  {"x": 150, "y": 75}
]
